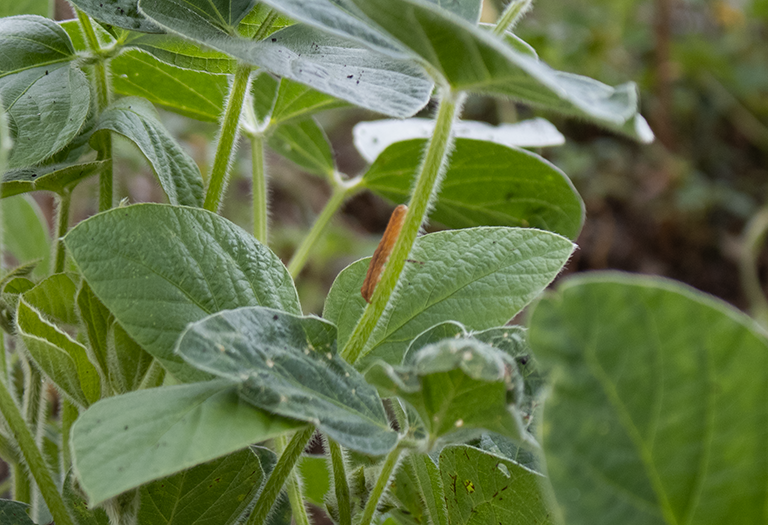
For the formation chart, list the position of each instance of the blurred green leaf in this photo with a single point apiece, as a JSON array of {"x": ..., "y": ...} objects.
[
  {"x": 125, "y": 441},
  {"x": 657, "y": 408},
  {"x": 288, "y": 365},
  {"x": 25, "y": 233},
  {"x": 137, "y": 120},
  {"x": 158, "y": 268},
  {"x": 481, "y": 488},
  {"x": 304, "y": 143},
  {"x": 316, "y": 477},
  {"x": 194, "y": 94},
  {"x": 485, "y": 184},
  {"x": 25, "y": 7},
  {"x": 480, "y": 277},
  {"x": 214, "y": 492}
]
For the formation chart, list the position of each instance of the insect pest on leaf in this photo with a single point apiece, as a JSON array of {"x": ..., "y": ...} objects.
[{"x": 383, "y": 251}]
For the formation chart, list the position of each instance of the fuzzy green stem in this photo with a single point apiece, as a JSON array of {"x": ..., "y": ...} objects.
[
  {"x": 279, "y": 474},
  {"x": 3, "y": 354},
  {"x": 217, "y": 181},
  {"x": 381, "y": 484},
  {"x": 33, "y": 457},
  {"x": 340, "y": 485},
  {"x": 260, "y": 208},
  {"x": 69, "y": 414},
  {"x": 22, "y": 485},
  {"x": 293, "y": 487},
  {"x": 515, "y": 10},
  {"x": 301, "y": 254},
  {"x": 62, "y": 221},
  {"x": 426, "y": 189},
  {"x": 154, "y": 376},
  {"x": 754, "y": 238},
  {"x": 103, "y": 95}
]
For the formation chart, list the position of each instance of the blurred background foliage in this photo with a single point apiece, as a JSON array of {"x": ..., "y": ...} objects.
[{"x": 675, "y": 208}]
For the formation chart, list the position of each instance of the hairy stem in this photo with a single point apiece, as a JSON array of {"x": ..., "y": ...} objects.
[
  {"x": 293, "y": 487},
  {"x": 753, "y": 240},
  {"x": 381, "y": 484},
  {"x": 260, "y": 207},
  {"x": 279, "y": 474},
  {"x": 217, "y": 181},
  {"x": 430, "y": 488},
  {"x": 33, "y": 457},
  {"x": 62, "y": 224},
  {"x": 301, "y": 254},
  {"x": 514, "y": 11},
  {"x": 103, "y": 96},
  {"x": 154, "y": 376},
  {"x": 340, "y": 485},
  {"x": 426, "y": 189}
]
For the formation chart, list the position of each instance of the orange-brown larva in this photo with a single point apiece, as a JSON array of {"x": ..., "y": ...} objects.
[{"x": 383, "y": 251}]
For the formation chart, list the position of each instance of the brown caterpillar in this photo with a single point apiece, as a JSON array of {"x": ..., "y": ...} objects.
[{"x": 383, "y": 251}]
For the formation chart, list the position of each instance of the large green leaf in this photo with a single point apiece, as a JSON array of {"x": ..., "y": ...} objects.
[
  {"x": 42, "y": 315},
  {"x": 373, "y": 137},
  {"x": 457, "y": 386},
  {"x": 126, "y": 441},
  {"x": 657, "y": 412},
  {"x": 25, "y": 232},
  {"x": 329, "y": 64},
  {"x": 480, "y": 277},
  {"x": 288, "y": 365},
  {"x": 486, "y": 184},
  {"x": 58, "y": 178},
  {"x": 137, "y": 120},
  {"x": 14, "y": 513},
  {"x": 216, "y": 492},
  {"x": 158, "y": 268},
  {"x": 482, "y": 489},
  {"x": 32, "y": 41},
  {"x": 304, "y": 143},
  {"x": 194, "y": 94},
  {"x": 297, "y": 101},
  {"x": 120, "y": 13}
]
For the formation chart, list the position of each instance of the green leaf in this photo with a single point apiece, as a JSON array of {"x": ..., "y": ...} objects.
[
  {"x": 137, "y": 120},
  {"x": 78, "y": 507},
  {"x": 263, "y": 94},
  {"x": 249, "y": 26},
  {"x": 14, "y": 513},
  {"x": 46, "y": 106},
  {"x": 97, "y": 320},
  {"x": 32, "y": 41},
  {"x": 126, "y": 441},
  {"x": 288, "y": 365},
  {"x": 127, "y": 362},
  {"x": 183, "y": 53},
  {"x": 58, "y": 178},
  {"x": 194, "y": 94},
  {"x": 469, "y": 10},
  {"x": 316, "y": 476},
  {"x": 76, "y": 36},
  {"x": 371, "y": 138},
  {"x": 329, "y": 64},
  {"x": 486, "y": 184},
  {"x": 480, "y": 277},
  {"x": 297, "y": 101},
  {"x": 457, "y": 386},
  {"x": 214, "y": 492},
  {"x": 158, "y": 267},
  {"x": 657, "y": 407},
  {"x": 304, "y": 143},
  {"x": 481, "y": 488},
  {"x": 54, "y": 351},
  {"x": 25, "y": 7},
  {"x": 25, "y": 233},
  {"x": 120, "y": 13}
]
